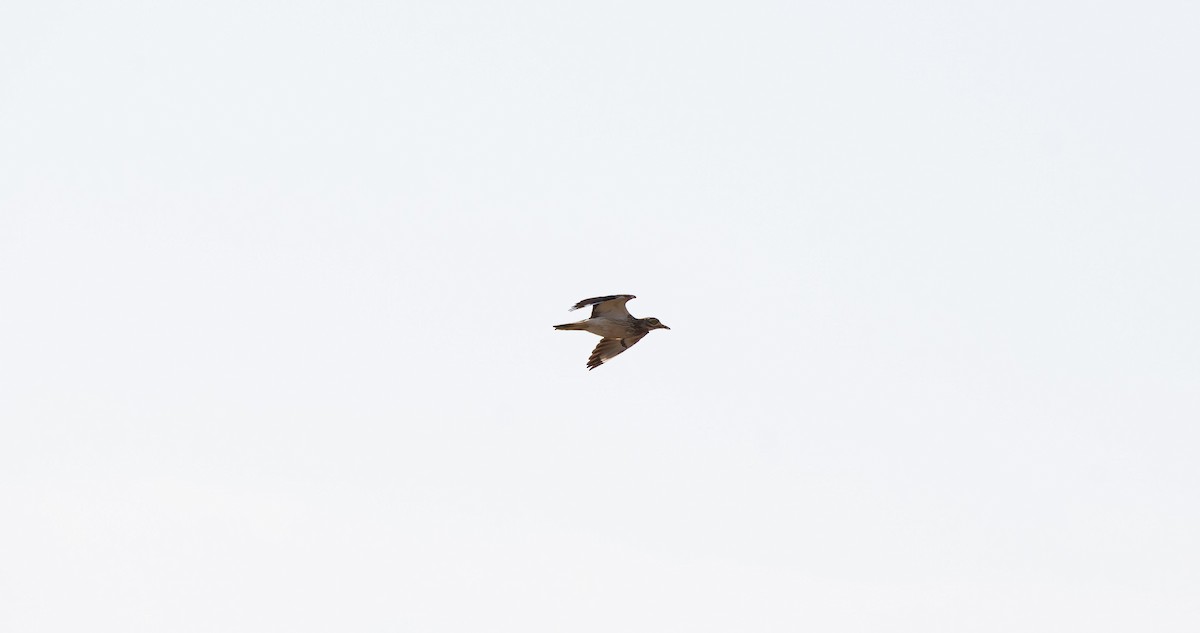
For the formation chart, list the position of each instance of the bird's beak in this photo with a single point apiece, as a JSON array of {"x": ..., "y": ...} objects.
[{"x": 663, "y": 326}]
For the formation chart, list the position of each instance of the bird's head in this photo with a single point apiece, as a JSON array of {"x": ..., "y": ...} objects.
[{"x": 655, "y": 324}]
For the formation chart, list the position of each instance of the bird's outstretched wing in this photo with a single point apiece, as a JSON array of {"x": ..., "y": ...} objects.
[
  {"x": 612, "y": 306},
  {"x": 609, "y": 347}
]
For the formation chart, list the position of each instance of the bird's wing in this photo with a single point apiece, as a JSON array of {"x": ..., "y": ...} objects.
[
  {"x": 612, "y": 306},
  {"x": 609, "y": 347}
]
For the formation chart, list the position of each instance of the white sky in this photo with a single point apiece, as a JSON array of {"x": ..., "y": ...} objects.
[{"x": 278, "y": 279}]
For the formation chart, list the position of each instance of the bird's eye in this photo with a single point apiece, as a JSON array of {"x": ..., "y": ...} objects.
[{"x": 654, "y": 321}]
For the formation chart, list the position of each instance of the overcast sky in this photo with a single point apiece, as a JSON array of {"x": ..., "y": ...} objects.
[{"x": 277, "y": 282}]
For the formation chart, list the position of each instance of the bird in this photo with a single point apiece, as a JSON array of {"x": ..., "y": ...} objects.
[{"x": 618, "y": 330}]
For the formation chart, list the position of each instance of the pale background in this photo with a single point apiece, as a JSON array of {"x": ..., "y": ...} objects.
[{"x": 277, "y": 282}]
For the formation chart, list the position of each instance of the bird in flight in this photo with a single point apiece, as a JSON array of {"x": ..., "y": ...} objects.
[{"x": 618, "y": 330}]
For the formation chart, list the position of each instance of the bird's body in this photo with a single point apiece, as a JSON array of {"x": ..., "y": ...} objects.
[
  {"x": 618, "y": 329},
  {"x": 607, "y": 328}
]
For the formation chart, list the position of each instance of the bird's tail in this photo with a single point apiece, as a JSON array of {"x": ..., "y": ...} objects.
[{"x": 570, "y": 326}]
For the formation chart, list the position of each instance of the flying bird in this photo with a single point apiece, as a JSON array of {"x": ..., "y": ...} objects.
[{"x": 618, "y": 330}]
